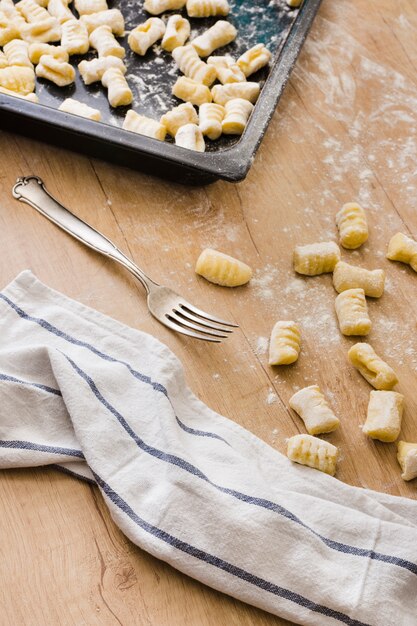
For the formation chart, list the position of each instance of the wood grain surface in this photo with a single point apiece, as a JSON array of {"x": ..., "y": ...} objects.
[{"x": 344, "y": 130}]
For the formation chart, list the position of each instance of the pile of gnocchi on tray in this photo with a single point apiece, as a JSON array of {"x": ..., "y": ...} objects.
[
  {"x": 353, "y": 284},
  {"x": 39, "y": 37}
]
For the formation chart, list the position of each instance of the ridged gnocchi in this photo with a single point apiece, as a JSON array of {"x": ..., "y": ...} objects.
[
  {"x": 353, "y": 226},
  {"x": 404, "y": 249},
  {"x": 45, "y": 31},
  {"x": 316, "y": 258},
  {"x": 223, "y": 93},
  {"x": 238, "y": 112},
  {"x": 285, "y": 343},
  {"x": 74, "y": 37},
  {"x": 144, "y": 126},
  {"x": 145, "y": 35},
  {"x": 190, "y": 91},
  {"x": 118, "y": 91},
  {"x": 347, "y": 276},
  {"x": 17, "y": 53},
  {"x": 383, "y": 420},
  {"x": 18, "y": 79},
  {"x": 93, "y": 71},
  {"x": 407, "y": 458},
  {"x": 58, "y": 72},
  {"x": 79, "y": 108},
  {"x": 37, "y": 50},
  {"x": 227, "y": 70},
  {"x": 112, "y": 18},
  {"x": 192, "y": 66},
  {"x": 254, "y": 59},
  {"x": 156, "y": 7},
  {"x": 103, "y": 40},
  {"x": 211, "y": 116},
  {"x": 31, "y": 97},
  {"x": 311, "y": 405},
  {"x": 88, "y": 7},
  {"x": 179, "y": 116},
  {"x": 176, "y": 33},
  {"x": 207, "y": 8},
  {"x": 190, "y": 137},
  {"x": 378, "y": 373},
  {"x": 59, "y": 9},
  {"x": 219, "y": 35},
  {"x": 222, "y": 269},
  {"x": 314, "y": 452},
  {"x": 352, "y": 312}
]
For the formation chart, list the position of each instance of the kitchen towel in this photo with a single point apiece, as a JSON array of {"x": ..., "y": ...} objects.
[{"x": 109, "y": 404}]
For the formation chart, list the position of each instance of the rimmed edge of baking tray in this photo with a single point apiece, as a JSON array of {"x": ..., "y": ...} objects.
[{"x": 155, "y": 157}]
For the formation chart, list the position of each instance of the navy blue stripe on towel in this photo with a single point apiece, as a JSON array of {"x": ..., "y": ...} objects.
[
  {"x": 260, "y": 502},
  {"x": 39, "y": 447},
  {"x": 138, "y": 375},
  {"x": 216, "y": 561},
  {"x": 12, "y": 379}
]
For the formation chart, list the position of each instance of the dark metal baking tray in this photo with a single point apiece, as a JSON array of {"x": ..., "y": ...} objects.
[{"x": 272, "y": 22}]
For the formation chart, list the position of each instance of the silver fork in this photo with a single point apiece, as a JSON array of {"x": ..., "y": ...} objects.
[{"x": 167, "y": 306}]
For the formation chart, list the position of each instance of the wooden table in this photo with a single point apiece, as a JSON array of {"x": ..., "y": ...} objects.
[{"x": 345, "y": 130}]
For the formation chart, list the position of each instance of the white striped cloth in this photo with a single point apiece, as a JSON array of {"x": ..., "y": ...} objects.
[{"x": 109, "y": 404}]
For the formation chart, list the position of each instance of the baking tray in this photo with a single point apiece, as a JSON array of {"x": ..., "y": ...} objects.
[{"x": 282, "y": 29}]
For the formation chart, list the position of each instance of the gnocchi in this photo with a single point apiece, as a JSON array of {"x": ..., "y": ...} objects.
[
  {"x": 378, "y": 373},
  {"x": 190, "y": 91},
  {"x": 88, "y": 7},
  {"x": 207, "y": 8},
  {"x": 347, "y": 276},
  {"x": 190, "y": 137},
  {"x": 383, "y": 420},
  {"x": 219, "y": 35},
  {"x": 58, "y": 72},
  {"x": 156, "y": 7},
  {"x": 254, "y": 59},
  {"x": 74, "y": 37},
  {"x": 404, "y": 249},
  {"x": 316, "y": 258},
  {"x": 311, "y": 406},
  {"x": 227, "y": 70},
  {"x": 407, "y": 458},
  {"x": 223, "y": 93},
  {"x": 145, "y": 35},
  {"x": 79, "y": 108},
  {"x": 8, "y": 30},
  {"x": 222, "y": 269},
  {"x": 112, "y": 18},
  {"x": 92, "y": 71},
  {"x": 32, "y": 11},
  {"x": 103, "y": 40},
  {"x": 192, "y": 66},
  {"x": 238, "y": 112},
  {"x": 59, "y": 9},
  {"x": 313, "y": 452},
  {"x": 285, "y": 343},
  {"x": 179, "y": 116},
  {"x": 32, "y": 97},
  {"x": 37, "y": 50},
  {"x": 46, "y": 31},
  {"x": 17, "y": 53},
  {"x": 211, "y": 116},
  {"x": 352, "y": 312},
  {"x": 18, "y": 79},
  {"x": 144, "y": 126},
  {"x": 176, "y": 34},
  {"x": 3, "y": 60},
  {"x": 118, "y": 91},
  {"x": 353, "y": 226}
]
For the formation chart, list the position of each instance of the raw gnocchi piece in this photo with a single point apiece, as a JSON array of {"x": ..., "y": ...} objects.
[
  {"x": 238, "y": 112},
  {"x": 37, "y": 50},
  {"x": 10, "y": 18},
  {"x": 156, "y": 7},
  {"x": 211, "y": 116},
  {"x": 347, "y": 276},
  {"x": 103, "y": 40},
  {"x": 222, "y": 269},
  {"x": 192, "y": 66},
  {"x": 223, "y": 93},
  {"x": 312, "y": 407},
  {"x": 87, "y": 7},
  {"x": 378, "y": 373},
  {"x": 219, "y": 35},
  {"x": 75, "y": 37},
  {"x": 60, "y": 10},
  {"x": 404, "y": 249},
  {"x": 316, "y": 258},
  {"x": 145, "y": 35},
  {"x": 190, "y": 91},
  {"x": 179, "y": 116},
  {"x": 285, "y": 343},
  {"x": 32, "y": 11},
  {"x": 352, "y": 312},
  {"x": 227, "y": 70},
  {"x": 190, "y": 137},
  {"x": 3, "y": 60},
  {"x": 46, "y": 31},
  {"x": 18, "y": 79},
  {"x": 383, "y": 420},
  {"x": 58, "y": 72},
  {"x": 17, "y": 53},
  {"x": 407, "y": 458},
  {"x": 32, "y": 97},
  {"x": 254, "y": 59},
  {"x": 207, "y": 8},
  {"x": 118, "y": 91},
  {"x": 112, "y": 18},
  {"x": 353, "y": 226},
  {"x": 144, "y": 126},
  {"x": 8, "y": 30},
  {"x": 176, "y": 33},
  {"x": 314, "y": 452},
  {"x": 92, "y": 71},
  {"x": 79, "y": 108}
]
